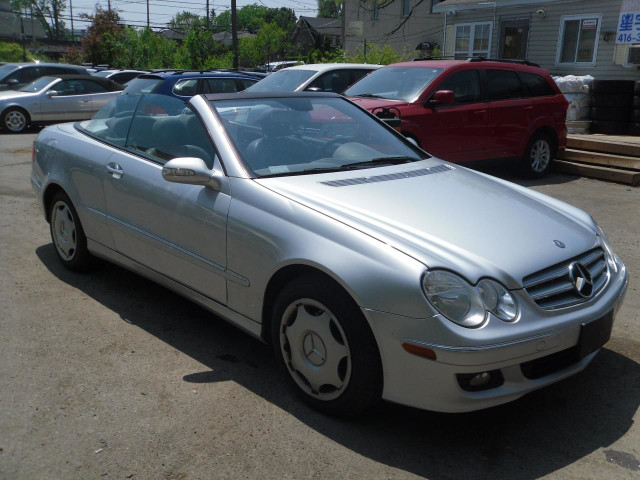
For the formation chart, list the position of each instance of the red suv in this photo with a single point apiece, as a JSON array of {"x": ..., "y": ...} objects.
[{"x": 476, "y": 109}]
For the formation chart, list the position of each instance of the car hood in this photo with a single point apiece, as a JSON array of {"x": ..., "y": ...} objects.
[
  {"x": 14, "y": 94},
  {"x": 449, "y": 217},
  {"x": 370, "y": 103}
]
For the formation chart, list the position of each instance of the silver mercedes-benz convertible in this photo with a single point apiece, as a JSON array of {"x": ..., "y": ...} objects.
[{"x": 374, "y": 270}]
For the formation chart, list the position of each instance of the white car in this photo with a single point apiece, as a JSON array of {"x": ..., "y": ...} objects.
[{"x": 320, "y": 77}]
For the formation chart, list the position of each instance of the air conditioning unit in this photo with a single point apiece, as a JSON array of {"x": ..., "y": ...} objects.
[{"x": 633, "y": 57}]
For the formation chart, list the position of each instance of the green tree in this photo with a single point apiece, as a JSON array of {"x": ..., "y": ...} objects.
[
  {"x": 10, "y": 52},
  {"x": 184, "y": 20},
  {"x": 105, "y": 39},
  {"x": 329, "y": 8},
  {"x": 252, "y": 17}
]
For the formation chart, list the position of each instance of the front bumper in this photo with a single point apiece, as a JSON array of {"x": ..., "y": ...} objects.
[{"x": 433, "y": 385}]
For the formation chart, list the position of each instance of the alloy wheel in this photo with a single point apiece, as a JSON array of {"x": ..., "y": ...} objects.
[
  {"x": 315, "y": 349},
  {"x": 63, "y": 228},
  {"x": 15, "y": 121},
  {"x": 540, "y": 155}
]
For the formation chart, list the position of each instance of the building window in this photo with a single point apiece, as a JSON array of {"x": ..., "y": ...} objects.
[
  {"x": 578, "y": 41},
  {"x": 375, "y": 13},
  {"x": 472, "y": 40},
  {"x": 633, "y": 55},
  {"x": 406, "y": 7},
  {"x": 434, "y": 3}
]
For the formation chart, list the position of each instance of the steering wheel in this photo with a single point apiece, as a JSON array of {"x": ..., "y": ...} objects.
[{"x": 329, "y": 148}]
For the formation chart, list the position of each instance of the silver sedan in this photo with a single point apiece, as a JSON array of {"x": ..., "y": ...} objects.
[
  {"x": 374, "y": 270},
  {"x": 55, "y": 99}
]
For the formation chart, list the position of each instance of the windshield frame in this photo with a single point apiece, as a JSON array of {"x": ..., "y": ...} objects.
[
  {"x": 212, "y": 99},
  {"x": 408, "y": 99}
]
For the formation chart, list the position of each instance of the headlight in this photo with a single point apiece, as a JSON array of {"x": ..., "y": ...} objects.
[
  {"x": 498, "y": 300},
  {"x": 465, "y": 304},
  {"x": 604, "y": 241},
  {"x": 454, "y": 298}
]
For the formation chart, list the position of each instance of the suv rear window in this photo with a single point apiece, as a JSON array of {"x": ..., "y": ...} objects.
[
  {"x": 535, "y": 85},
  {"x": 142, "y": 85},
  {"x": 503, "y": 84}
]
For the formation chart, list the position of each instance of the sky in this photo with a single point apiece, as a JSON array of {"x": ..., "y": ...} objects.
[{"x": 134, "y": 12}]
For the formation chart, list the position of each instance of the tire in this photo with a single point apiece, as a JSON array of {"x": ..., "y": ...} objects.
[
  {"x": 636, "y": 88},
  {"x": 538, "y": 156},
  {"x": 325, "y": 346},
  {"x": 609, "y": 127},
  {"x": 634, "y": 129},
  {"x": 15, "y": 120},
  {"x": 617, "y": 114},
  {"x": 611, "y": 100},
  {"x": 613, "y": 86},
  {"x": 67, "y": 235}
]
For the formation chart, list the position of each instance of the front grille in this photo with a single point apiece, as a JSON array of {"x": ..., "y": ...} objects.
[
  {"x": 552, "y": 287},
  {"x": 541, "y": 367}
]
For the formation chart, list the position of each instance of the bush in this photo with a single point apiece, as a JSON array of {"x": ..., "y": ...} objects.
[{"x": 11, "y": 52}]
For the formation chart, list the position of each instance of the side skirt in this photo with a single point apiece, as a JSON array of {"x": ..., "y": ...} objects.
[{"x": 251, "y": 327}]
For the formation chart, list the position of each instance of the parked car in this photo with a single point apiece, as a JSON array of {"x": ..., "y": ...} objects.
[
  {"x": 14, "y": 76},
  {"x": 280, "y": 65},
  {"x": 121, "y": 76},
  {"x": 321, "y": 77},
  {"x": 465, "y": 111},
  {"x": 374, "y": 269},
  {"x": 184, "y": 85},
  {"x": 55, "y": 99}
]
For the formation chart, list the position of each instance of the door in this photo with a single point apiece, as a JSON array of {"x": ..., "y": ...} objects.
[
  {"x": 514, "y": 39},
  {"x": 177, "y": 230},
  {"x": 70, "y": 102},
  {"x": 458, "y": 132},
  {"x": 98, "y": 94},
  {"x": 510, "y": 113}
]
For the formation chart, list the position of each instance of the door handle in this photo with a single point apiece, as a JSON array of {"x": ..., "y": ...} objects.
[
  {"x": 115, "y": 170},
  {"x": 85, "y": 101}
]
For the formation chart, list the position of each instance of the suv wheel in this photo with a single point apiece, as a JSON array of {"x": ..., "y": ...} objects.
[{"x": 538, "y": 156}]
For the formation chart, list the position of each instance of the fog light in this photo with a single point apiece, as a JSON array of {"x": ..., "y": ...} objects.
[
  {"x": 476, "y": 382},
  {"x": 480, "y": 379}
]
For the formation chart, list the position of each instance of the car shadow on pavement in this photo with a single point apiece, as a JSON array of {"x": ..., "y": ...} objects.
[{"x": 532, "y": 437}]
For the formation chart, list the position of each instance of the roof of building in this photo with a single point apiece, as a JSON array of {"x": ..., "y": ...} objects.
[{"x": 324, "y": 26}]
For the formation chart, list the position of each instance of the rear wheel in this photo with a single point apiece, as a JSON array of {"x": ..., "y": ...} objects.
[
  {"x": 326, "y": 347},
  {"x": 67, "y": 234},
  {"x": 538, "y": 155},
  {"x": 15, "y": 120}
]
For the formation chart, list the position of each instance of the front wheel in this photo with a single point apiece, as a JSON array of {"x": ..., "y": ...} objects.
[
  {"x": 15, "y": 120},
  {"x": 326, "y": 347},
  {"x": 538, "y": 156},
  {"x": 67, "y": 234}
]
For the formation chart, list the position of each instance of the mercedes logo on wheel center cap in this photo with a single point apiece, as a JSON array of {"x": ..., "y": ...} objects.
[
  {"x": 314, "y": 349},
  {"x": 581, "y": 279}
]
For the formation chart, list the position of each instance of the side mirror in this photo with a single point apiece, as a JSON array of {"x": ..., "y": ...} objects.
[
  {"x": 12, "y": 83},
  {"x": 313, "y": 89},
  {"x": 52, "y": 93},
  {"x": 443, "y": 97},
  {"x": 192, "y": 171}
]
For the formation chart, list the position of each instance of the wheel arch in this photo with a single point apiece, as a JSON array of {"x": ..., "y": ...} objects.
[
  {"x": 282, "y": 277},
  {"x": 547, "y": 130},
  {"x": 16, "y": 107},
  {"x": 48, "y": 195}
]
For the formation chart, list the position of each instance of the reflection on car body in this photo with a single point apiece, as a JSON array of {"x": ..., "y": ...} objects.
[{"x": 374, "y": 270}]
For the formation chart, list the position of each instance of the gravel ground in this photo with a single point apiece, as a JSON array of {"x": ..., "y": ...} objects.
[{"x": 109, "y": 375}]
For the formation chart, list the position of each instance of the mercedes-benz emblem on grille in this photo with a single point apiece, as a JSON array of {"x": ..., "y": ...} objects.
[
  {"x": 558, "y": 243},
  {"x": 581, "y": 279}
]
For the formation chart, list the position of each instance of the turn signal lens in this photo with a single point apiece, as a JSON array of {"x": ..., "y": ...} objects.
[{"x": 419, "y": 350}]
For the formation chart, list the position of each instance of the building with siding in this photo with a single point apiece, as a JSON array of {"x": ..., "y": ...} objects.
[
  {"x": 565, "y": 36},
  {"x": 317, "y": 32}
]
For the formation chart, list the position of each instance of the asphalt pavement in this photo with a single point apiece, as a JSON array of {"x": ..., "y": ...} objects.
[{"x": 108, "y": 375}]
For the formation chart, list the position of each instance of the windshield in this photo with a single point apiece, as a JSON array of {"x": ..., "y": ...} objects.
[
  {"x": 395, "y": 83},
  {"x": 6, "y": 70},
  {"x": 282, "y": 81},
  {"x": 37, "y": 85},
  {"x": 305, "y": 135},
  {"x": 142, "y": 85}
]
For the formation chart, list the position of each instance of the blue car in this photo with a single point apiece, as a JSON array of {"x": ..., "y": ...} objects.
[{"x": 185, "y": 84}]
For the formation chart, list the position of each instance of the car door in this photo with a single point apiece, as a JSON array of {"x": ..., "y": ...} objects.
[
  {"x": 70, "y": 102},
  {"x": 98, "y": 94},
  {"x": 509, "y": 113},
  {"x": 457, "y": 132},
  {"x": 175, "y": 229}
]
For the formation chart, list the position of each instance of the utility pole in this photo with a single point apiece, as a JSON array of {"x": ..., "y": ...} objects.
[
  {"x": 71, "y": 11},
  {"x": 109, "y": 4},
  {"x": 207, "y": 15},
  {"x": 365, "y": 50},
  {"x": 147, "y": 13},
  {"x": 344, "y": 26},
  {"x": 24, "y": 48},
  {"x": 234, "y": 33}
]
